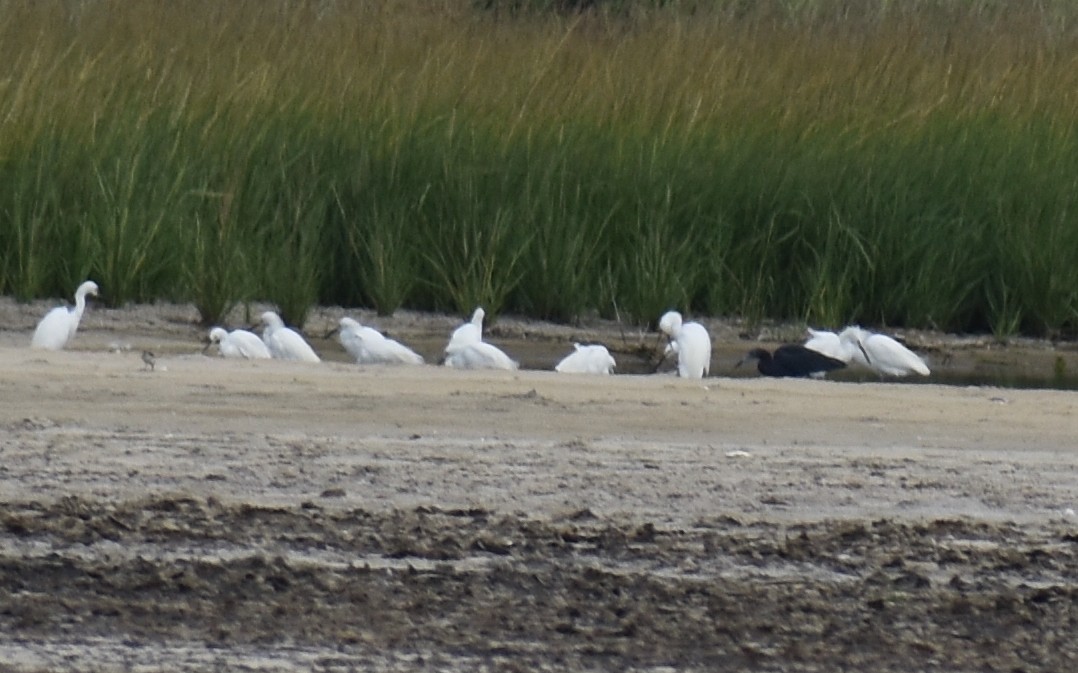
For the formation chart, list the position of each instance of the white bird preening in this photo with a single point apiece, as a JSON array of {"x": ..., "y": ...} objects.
[
  {"x": 369, "y": 346},
  {"x": 467, "y": 350},
  {"x": 881, "y": 353},
  {"x": 59, "y": 325},
  {"x": 285, "y": 343},
  {"x": 691, "y": 342},
  {"x": 593, "y": 359},
  {"x": 469, "y": 333},
  {"x": 239, "y": 343}
]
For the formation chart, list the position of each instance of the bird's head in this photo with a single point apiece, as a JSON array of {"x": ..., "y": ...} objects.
[
  {"x": 755, "y": 355},
  {"x": 855, "y": 336},
  {"x": 670, "y": 323},
  {"x": 343, "y": 324},
  {"x": 88, "y": 287},
  {"x": 214, "y": 337}
]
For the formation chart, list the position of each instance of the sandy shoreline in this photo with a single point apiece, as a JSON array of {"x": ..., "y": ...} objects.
[{"x": 625, "y": 418}]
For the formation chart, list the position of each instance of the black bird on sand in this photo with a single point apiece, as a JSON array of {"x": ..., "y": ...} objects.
[{"x": 792, "y": 360}]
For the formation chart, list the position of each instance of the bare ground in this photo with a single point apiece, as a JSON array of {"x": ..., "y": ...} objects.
[{"x": 271, "y": 516}]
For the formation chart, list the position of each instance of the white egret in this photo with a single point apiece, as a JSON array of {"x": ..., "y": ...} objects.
[
  {"x": 369, "y": 346},
  {"x": 58, "y": 326},
  {"x": 881, "y": 353},
  {"x": 284, "y": 343},
  {"x": 827, "y": 343},
  {"x": 469, "y": 333},
  {"x": 691, "y": 342},
  {"x": 467, "y": 350},
  {"x": 593, "y": 359},
  {"x": 479, "y": 355},
  {"x": 792, "y": 360},
  {"x": 239, "y": 343}
]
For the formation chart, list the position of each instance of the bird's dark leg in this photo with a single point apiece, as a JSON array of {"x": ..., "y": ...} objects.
[{"x": 659, "y": 363}]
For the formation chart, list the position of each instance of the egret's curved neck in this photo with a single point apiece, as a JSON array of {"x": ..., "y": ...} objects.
[{"x": 80, "y": 303}]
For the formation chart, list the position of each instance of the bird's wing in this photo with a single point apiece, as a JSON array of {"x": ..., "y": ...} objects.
[
  {"x": 249, "y": 345},
  {"x": 828, "y": 344},
  {"x": 395, "y": 352},
  {"x": 484, "y": 356},
  {"x": 805, "y": 360},
  {"x": 272, "y": 339},
  {"x": 599, "y": 360},
  {"x": 295, "y": 347},
  {"x": 353, "y": 343},
  {"x": 573, "y": 363},
  {"x": 894, "y": 358},
  {"x": 54, "y": 330},
  {"x": 465, "y": 335}
]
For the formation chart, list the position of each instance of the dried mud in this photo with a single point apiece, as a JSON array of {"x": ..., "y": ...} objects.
[
  {"x": 214, "y": 515},
  {"x": 468, "y": 589}
]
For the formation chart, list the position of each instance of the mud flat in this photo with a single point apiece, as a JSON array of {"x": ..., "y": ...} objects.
[{"x": 273, "y": 516}]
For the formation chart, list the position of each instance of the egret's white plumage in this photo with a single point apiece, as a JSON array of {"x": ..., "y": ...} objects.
[
  {"x": 479, "y": 355},
  {"x": 691, "y": 342},
  {"x": 369, "y": 346},
  {"x": 881, "y": 353},
  {"x": 239, "y": 343},
  {"x": 594, "y": 359},
  {"x": 59, "y": 325},
  {"x": 827, "y": 343},
  {"x": 284, "y": 343},
  {"x": 467, "y": 350},
  {"x": 469, "y": 333}
]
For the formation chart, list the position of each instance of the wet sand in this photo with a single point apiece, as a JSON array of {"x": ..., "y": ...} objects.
[{"x": 280, "y": 516}]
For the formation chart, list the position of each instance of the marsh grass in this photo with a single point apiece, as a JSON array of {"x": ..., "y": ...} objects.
[
  {"x": 474, "y": 260},
  {"x": 215, "y": 268},
  {"x": 885, "y": 163}
]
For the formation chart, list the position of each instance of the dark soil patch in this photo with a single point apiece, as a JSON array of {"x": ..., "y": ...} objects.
[{"x": 525, "y": 593}]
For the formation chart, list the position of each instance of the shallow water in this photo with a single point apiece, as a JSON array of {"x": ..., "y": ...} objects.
[
  {"x": 1010, "y": 368},
  {"x": 1032, "y": 370}
]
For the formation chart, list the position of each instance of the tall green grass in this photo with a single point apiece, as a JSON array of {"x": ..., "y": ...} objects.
[{"x": 887, "y": 163}]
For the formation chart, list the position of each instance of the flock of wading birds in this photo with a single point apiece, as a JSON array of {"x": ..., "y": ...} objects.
[{"x": 689, "y": 342}]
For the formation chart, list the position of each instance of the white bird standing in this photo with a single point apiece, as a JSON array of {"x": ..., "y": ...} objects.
[
  {"x": 593, "y": 359},
  {"x": 59, "y": 325},
  {"x": 284, "y": 343},
  {"x": 881, "y": 353},
  {"x": 467, "y": 350},
  {"x": 369, "y": 346},
  {"x": 691, "y": 342},
  {"x": 239, "y": 343}
]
